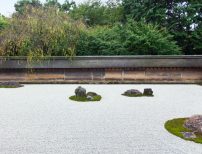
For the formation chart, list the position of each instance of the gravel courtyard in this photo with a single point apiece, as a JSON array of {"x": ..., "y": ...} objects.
[{"x": 40, "y": 119}]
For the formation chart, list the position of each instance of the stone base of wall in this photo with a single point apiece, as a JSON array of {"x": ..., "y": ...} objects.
[{"x": 103, "y": 75}]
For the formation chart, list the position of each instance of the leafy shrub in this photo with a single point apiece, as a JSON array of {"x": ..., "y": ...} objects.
[{"x": 133, "y": 38}]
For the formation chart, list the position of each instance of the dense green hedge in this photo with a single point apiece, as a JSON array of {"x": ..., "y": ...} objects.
[{"x": 133, "y": 38}]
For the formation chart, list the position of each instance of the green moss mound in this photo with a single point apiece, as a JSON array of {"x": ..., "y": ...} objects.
[
  {"x": 7, "y": 87},
  {"x": 10, "y": 86},
  {"x": 176, "y": 127},
  {"x": 84, "y": 99},
  {"x": 139, "y": 95}
]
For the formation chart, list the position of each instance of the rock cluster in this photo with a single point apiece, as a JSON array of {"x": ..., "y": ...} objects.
[
  {"x": 81, "y": 92},
  {"x": 194, "y": 123},
  {"x": 135, "y": 92}
]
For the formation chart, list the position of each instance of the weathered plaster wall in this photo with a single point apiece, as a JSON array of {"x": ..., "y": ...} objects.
[{"x": 138, "y": 69}]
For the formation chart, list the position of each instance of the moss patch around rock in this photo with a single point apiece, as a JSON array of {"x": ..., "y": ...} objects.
[
  {"x": 10, "y": 86},
  {"x": 85, "y": 99},
  {"x": 176, "y": 127}
]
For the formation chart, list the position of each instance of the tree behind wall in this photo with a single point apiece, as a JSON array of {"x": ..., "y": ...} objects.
[
  {"x": 39, "y": 32},
  {"x": 180, "y": 17},
  {"x": 95, "y": 13},
  {"x": 21, "y": 5}
]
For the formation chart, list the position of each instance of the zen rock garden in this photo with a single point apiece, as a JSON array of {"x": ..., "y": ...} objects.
[
  {"x": 136, "y": 93},
  {"x": 114, "y": 124},
  {"x": 10, "y": 85},
  {"x": 82, "y": 96},
  {"x": 186, "y": 128}
]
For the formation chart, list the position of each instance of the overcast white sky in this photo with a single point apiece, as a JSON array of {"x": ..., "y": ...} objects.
[{"x": 7, "y": 6}]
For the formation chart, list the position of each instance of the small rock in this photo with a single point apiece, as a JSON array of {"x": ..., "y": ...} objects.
[
  {"x": 91, "y": 94},
  {"x": 148, "y": 92},
  {"x": 194, "y": 123},
  {"x": 189, "y": 135},
  {"x": 132, "y": 92},
  {"x": 81, "y": 92},
  {"x": 90, "y": 98}
]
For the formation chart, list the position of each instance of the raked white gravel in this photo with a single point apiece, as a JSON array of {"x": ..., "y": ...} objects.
[{"x": 40, "y": 119}]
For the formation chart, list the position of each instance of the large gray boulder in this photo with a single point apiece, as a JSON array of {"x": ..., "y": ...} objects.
[
  {"x": 194, "y": 123},
  {"x": 132, "y": 92},
  {"x": 81, "y": 92}
]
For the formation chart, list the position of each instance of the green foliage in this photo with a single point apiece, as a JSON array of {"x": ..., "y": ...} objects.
[
  {"x": 147, "y": 10},
  {"x": 184, "y": 23},
  {"x": 40, "y": 32},
  {"x": 180, "y": 17},
  {"x": 176, "y": 127},
  {"x": 132, "y": 38},
  {"x": 52, "y": 3},
  {"x": 3, "y": 22},
  {"x": 21, "y": 5},
  {"x": 129, "y": 27},
  {"x": 84, "y": 99},
  {"x": 68, "y": 6},
  {"x": 196, "y": 41},
  {"x": 95, "y": 13}
]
